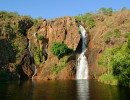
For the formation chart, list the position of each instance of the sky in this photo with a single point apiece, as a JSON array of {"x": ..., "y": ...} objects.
[{"x": 59, "y": 8}]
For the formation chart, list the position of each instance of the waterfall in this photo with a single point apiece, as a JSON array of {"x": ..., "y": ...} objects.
[
  {"x": 82, "y": 66},
  {"x": 33, "y": 65}
]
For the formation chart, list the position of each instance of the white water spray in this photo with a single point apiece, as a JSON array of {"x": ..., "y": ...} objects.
[
  {"x": 82, "y": 67},
  {"x": 33, "y": 65}
]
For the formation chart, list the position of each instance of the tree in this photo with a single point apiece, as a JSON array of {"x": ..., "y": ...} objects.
[
  {"x": 40, "y": 37},
  {"x": 59, "y": 49},
  {"x": 102, "y": 11},
  {"x": 39, "y": 18},
  {"x": 109, "y": 12},
  {"x": 90, "y": 22}
]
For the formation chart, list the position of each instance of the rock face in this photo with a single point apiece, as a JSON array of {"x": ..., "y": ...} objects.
[
  {"x": 14, "y": 57},
  {"x": 100, "y": 41},
  {"x": 63, "y": 30}
]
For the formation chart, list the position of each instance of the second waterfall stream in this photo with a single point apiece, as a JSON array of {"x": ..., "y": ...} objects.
[
  {"x": 82, "y": 66},
  {"x": 32, "y": 60}
]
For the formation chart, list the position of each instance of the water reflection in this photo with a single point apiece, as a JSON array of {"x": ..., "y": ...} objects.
[
  {"x": 82, "y": 89},
  {"x": 61, "y": 90}
]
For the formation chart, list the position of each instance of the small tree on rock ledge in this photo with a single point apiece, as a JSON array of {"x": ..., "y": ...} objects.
[{"x": 59, "y": 49}]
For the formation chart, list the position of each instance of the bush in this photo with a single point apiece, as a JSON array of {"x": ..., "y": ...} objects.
[
  {"x": 117, "y": 32},
  {"x": 109, "y": 12},
  {"x": 105, "y": 11},
  {"x": 90, "y": 22},
  {"x": 108, "y": 35},
  {"x": 59, "y": 49},
  {"x": 40, "y": 37},
  {"x": 108, "y": 79},
  {"x": 71, "y": 23},
  {"x": 119, "y": 63},
  {"x": 127, "y": 34}
]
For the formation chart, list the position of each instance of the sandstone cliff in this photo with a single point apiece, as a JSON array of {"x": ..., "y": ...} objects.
[
  {"x": 14, "y": 57},
  {"x": 63, "y": 30}
]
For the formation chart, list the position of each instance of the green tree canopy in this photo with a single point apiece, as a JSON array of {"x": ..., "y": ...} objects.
[{"x": 59, "y": 49}]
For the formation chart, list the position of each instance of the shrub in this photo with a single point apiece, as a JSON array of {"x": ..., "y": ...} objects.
[
  {"x": 105, "y": 11},
  {"x": 109, "y": 12},
  {"x": 127, "y": 34},
  {"x": 71, "y": 23},
  {"x": 59, "y": 49},
  {"x": 60, "y": 23},
  {"x": 108, "y": 35},
  {"x": 108, "y": 79},
  {"x": 101, "y": 18},
  {"x": 90, "y": 22},
  {"x": 102, "y": 11},
  {"x": 116, "y": 32},
  {"x": 119, "y": 63},
  {"x": 40, "y": 37}
]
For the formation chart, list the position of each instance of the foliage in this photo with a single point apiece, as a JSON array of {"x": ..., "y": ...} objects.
[
  {"x": 108, "y": 79},
  {"x": 108, "y": 35},
  {"x": 82, "y": 18},
  {"x": 22, "y": 48},
  {"x": 119, "y": 63},
  {"x": 38, "y": 57},
  {"x": 117, "y": 32},
  {"x": 36, "y": 20},
  {"x": 127, "y": 34},
  {"x": 59, "y": 49},
  {"x": 7, "y": 15},
  {"x": 40, "y": 37},
  {"x": 39, "y": 18},
  {"x": 7, "y": 29},
  {"x": 15, "y": 27},
  {"x": 71, "y": 23},
  {"x": 55, "y": 68},
  {"x": 105, "y": 11},
  {"x": 90, "y": 22},
  {"x": 102, "y": 11}
]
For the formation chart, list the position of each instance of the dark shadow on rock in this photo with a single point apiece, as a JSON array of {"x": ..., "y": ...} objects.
[{"x": 7, "y": 53}]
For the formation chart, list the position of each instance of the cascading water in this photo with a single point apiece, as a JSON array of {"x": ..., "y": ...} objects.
[
  {"x": 33, "y": 65},
  {"x": 82, "y": 67}
]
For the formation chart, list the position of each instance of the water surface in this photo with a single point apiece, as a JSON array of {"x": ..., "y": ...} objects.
[{"x": 62, "y": 90}]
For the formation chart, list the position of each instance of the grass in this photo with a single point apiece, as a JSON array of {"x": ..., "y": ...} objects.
[
  {"x": 108, "y": 79},
  {"x": 108, "y": 35},
  {"x": 117, "y": 32}
]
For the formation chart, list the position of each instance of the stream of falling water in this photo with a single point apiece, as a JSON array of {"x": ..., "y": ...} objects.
[
  {"x": 82, "y": 67},
  {"x": 33, "y": 65}
]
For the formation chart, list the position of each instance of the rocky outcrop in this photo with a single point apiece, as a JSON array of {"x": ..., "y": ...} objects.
[
  {"x": 103, "y": 35},
  {"x": 14, "y": 57},
  {"x": 63, "y": 30}
]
